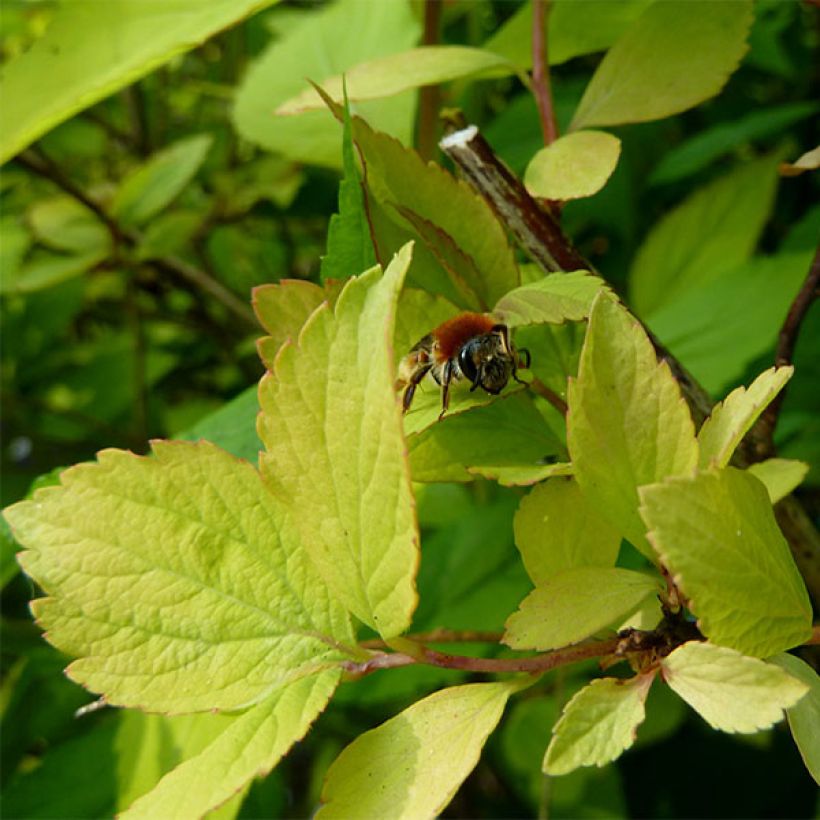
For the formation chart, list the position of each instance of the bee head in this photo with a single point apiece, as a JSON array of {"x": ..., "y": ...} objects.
[{"x": 487, "y": 360}]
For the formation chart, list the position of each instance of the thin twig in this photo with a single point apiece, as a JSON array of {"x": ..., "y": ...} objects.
[
  {"x": 541, "y": 87},
  {"x": 442, "y": 636},
  {"x": 430, "y": 95},
  {"x": 537, "y": 232},
  {"x": 537, "y": 386},
  {"x": 784, "y": 353}
]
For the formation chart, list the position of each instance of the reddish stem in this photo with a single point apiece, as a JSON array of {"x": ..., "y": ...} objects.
[{"x": 542, "y": 88}]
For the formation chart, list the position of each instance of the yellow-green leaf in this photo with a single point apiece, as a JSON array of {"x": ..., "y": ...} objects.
[
  {"x": 598, "y": 724},
  {"x": 412, "y": 765},
  {"x": 717, "y": 535},
  {"x": 732, "y": 418},
  {"x": 577, "y": 603},
  {"x": 574, "y": 166},
  {"x": 249, "y": 745},
  {"x": 730, "y": 691},
  {"x": 650, "y": 72},
  {"x": 556, "y": 528},
  {"x": 177, "y": 581},
  {"x": 779, "y": 475},
  {"x": 393, "y": 73},
  {"x": 627, "y": 424},
  {"x": 331, "y": 424}
]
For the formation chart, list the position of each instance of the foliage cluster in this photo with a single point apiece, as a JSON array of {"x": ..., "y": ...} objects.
[{"x": 363, "y": 568}]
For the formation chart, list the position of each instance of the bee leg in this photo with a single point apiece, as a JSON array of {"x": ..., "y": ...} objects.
[
  {"x": 412, "y": 384},
  {"x": 446, "y": 378},
  {"x": 523, "y": 351}
]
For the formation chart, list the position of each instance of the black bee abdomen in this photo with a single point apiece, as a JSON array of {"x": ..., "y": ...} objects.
[{"x": 466, "y": 362}]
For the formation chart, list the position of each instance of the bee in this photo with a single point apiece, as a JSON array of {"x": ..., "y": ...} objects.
[{"x": 472, "y": 346}]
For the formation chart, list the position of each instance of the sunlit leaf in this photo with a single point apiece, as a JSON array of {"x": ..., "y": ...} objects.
[
  {"x": 598, "y": 724},
  {"x": 177, "y": 581},
  {"x": 804, "y": 716},
  {"x": 250, "y": 744},
  {"x": 730, "y": 691},
  {"x": 720, "y": 525},
  {"x": 92, "y": 49},
  {"x": 649, "y": 73},
  {"x": 779, "y": 475},
  {"x": 331, "y": 424},
  {"x": 574, "y": 166},
  {"x": 556, "y": 528},
  {"x": 385, "y": 76},
  {"x": 627, "y": 424},
  {"x": 575, "y": 604},
  {"x": 558, "y": 297},
  {"x": 521, "y": 475},
  {"x": 732, "y": 418},
  {"x": 810, "y": 161},
  {"x": 412, "y": 765}
]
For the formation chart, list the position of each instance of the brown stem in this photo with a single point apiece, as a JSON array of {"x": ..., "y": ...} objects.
[
  {"x": 541, "y": 87},
  {"x": 443, "y": 636},
  {"x": 536, "y": 230},
  {"x": 430, "y": 95},
  {"x": 537, "y": 386},
  {"x": 784, "y": 352}
]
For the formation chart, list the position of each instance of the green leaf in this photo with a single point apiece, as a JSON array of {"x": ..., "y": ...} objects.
[
  {"x": 313, "y": 49},
  {"x": 576, "y": 603},
  {"x": 717, "y": 535},
  {"x": 251, "y": 744},
  {"x": 598, "y": 724},
  {"x": 574, "y": 29},
  {"x": 557, "y": 298},
  {"x": 169, "y": 233},
  {"x": 331, "y": 424},
  {"x": 92, "y": 49},
  {"x": 14, "y": 242},
  {"x": 282, "y": 309},
  {"x": 732, "y": 418},
  {"x": 457, "y": 225},
  {"x": 714, "y": 230},
  {"x": 393, "y": 73},
  {"x": 48, "y": 269},
  {"x": 521, "y": 475},
  {"x": 157, "y": 182},
  {"x": 627, "y": 424},
  {"x": 557, "y": 529},
  {"x": 649, "y": 73},
  {"x": 349, "y": 244},
  {"x": 574, "y": 166},
  {"x": 779, "y": 476},
  {"x": 804, "y": 716},
  {"x": 731, "y": 692},
  {"x": 64, "y": 224},
  {"x": 706, "y": 146},
  {"x": 232, "y": 427},
  {"x": 412, "y": 765},
  {"x": 177, "y": 581},
  {"x": 510, "y": 432}
]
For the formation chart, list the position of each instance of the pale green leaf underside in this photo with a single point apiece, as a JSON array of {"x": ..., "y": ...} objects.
[
  {"x": 809, "y": 161},
  {"x": 597, "y": 724},
  {"x": 313, "y": 48},
  {"x": 713, "y": 230},
  {"x": 557, "y": 529},
  {"x": 574, "y": 166},
  {"x": 717, "y": 535},
  {"x": 520, "y": 475},
  {"x": 91, "y": 49},
  {"x": 650, "y": 72},
  {"x": 627, "y": 424},
  {"x": 557, "y": 298},
  {"x": 804, "y": 716},
  {"x": 730, "y": 691},
  {"x": 250, "y": 745},
  {"x": 575, "y": 604},
  {"x": 732, "y": 418},
  {"x": 176, "y": 581},
  {"x": 385, "y": 76},
  {"x": 331, "y": 425},
  {"x": 412, "y": 765},
  {"x": 779, "y": 475}
]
